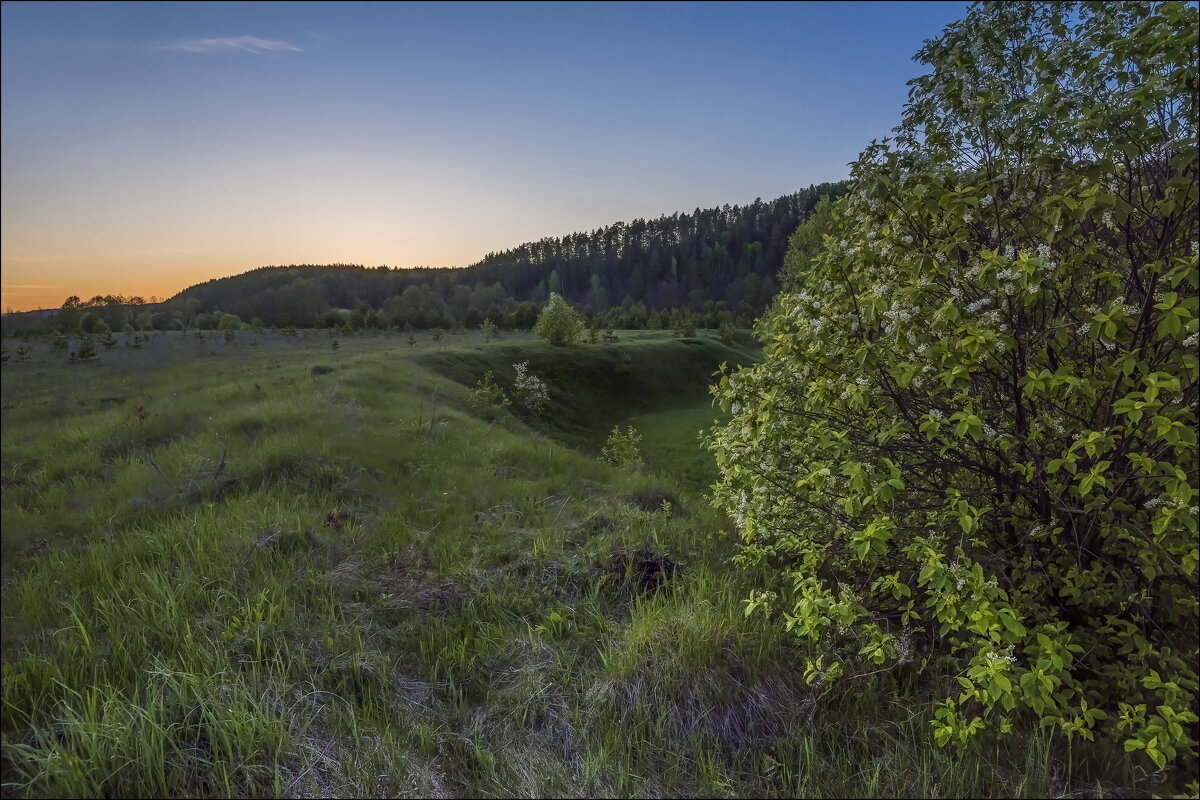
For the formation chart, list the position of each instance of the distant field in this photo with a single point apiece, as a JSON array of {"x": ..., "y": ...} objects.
[{"x": 274, "y": 566}]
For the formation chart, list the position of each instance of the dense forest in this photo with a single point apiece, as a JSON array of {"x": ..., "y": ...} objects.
[{"x": 719, "y": 264}]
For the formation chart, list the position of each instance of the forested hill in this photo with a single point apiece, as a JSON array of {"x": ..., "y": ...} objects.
[
  {"x": 722, "y": 264},
  {"x": 730, "y": 254}
]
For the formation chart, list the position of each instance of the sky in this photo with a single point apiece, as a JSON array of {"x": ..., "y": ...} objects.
[{"x": 147, "y": 147}]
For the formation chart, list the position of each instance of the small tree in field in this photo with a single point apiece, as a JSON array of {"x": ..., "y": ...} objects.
[
  {"x": 972, "y": 439},
  {"x": 488, "y": 329},
  {"x": 87, "y": 347},
  {"x": 683, "y": 322},
  {"x": 558, "y": 323}
]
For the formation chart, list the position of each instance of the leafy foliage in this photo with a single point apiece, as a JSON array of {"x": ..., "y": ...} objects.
[
  {"x": 973, "y": 435},
  {"x": 621, "y": 450},
  {"x": 488, "y": 329},
  {"x": 488, "y": 399},
  {"x": 683, "y": 323},
  {"x": 558, "y": 323}
]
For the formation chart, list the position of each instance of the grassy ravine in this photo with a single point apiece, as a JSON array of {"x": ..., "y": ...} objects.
[{"x": 276, "y": 568}]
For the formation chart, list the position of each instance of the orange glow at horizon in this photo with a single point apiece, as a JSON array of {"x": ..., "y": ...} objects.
[{"x": 27, "y": 287}]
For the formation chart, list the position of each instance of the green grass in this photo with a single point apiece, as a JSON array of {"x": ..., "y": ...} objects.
[{"x": 272, "y": 568}]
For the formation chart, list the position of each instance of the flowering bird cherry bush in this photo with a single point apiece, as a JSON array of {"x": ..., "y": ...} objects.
[
  {"x": 530, "y": 390},
  {"x": 971, "y": 444}
]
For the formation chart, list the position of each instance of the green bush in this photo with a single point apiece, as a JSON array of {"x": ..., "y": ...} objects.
[
  {"x": 621, "y": 450},
  {"x": 488, "y": 329},
  {"x": 558, "y": 323},
  {"x": 230, "y": 322},
  {"x": 683, "y": 322},
  {"x": 488, "y": 399},
  {"x": 972, "y": 439}
]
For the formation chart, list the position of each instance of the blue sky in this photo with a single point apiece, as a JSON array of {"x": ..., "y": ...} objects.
[{"x": 150, "y": 146}]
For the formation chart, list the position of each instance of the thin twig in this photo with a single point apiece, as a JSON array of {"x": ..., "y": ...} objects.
[{"x": 221, "y": 466}]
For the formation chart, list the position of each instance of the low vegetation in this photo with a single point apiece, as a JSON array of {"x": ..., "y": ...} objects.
[
  {"x": 260, "y": 567},
  {"x": 941, "y": 540}
]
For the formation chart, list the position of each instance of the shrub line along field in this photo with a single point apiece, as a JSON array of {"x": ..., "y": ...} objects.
[{"x": 309, "y": 566}]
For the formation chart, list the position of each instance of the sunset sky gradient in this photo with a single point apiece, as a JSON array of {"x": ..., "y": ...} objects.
[{"x": 148, "y": 147}]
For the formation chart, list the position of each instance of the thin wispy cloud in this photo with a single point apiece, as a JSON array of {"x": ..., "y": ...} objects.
[{"x": 231, "y": 44}]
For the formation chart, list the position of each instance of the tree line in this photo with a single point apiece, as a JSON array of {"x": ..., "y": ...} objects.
[{"x": 719, "y": 265}]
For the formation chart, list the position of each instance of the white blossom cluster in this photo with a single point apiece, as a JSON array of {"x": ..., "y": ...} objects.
[{"x": 530, "y": 390}]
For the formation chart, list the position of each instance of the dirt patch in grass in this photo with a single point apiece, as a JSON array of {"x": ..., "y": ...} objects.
[
  {"x": 655, "y": 500},
  {"x": 641, "y": 570}
]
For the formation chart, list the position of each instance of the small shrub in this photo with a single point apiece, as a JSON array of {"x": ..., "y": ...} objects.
[
  {"x": 531, "y": 392},
  {"x": 683, "y": 322},
  {"x": 626, "y": 365},
  {"x": 488, "y": 329},
  {"x": 321, "y": 369},
  {"x": 230, "y": 322},
  {"x": 621, "y": 450},
  {"x": 87, "y": 348},
  {"x": 488, "y": 399}
]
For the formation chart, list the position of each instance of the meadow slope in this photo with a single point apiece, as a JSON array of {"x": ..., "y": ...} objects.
[{"x": 275, "y": 567}]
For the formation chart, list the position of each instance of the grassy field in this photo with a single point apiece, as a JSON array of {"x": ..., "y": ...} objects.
[{"x": 277, "y": 567}]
